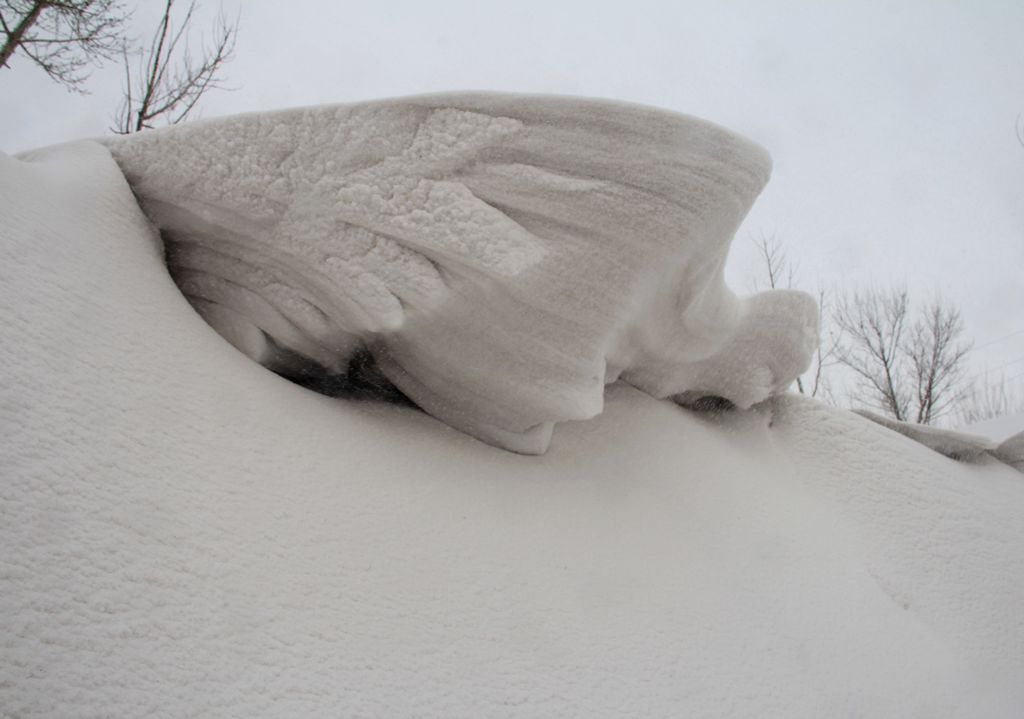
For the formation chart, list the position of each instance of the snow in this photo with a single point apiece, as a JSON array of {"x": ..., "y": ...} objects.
[
  {"x": 188, "y": 534},
  {"x": 972, "y": 443},
  {"x": 1008, "y": 431},
  {"x": 1011, "y": 451},
  {"x": 957, "y": 445},
  {"x": 999, "y": 428},
  {"x": 501, "y": 257}
]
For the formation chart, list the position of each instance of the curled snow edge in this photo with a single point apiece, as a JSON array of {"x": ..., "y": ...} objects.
[{"x": 500, "y": 257}]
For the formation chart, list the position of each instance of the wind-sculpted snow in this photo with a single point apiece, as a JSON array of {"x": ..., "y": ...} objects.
[
  {"x": 187, "y": 535},
  {"x": 1011, "y": 452},
  {"x": 952, "y": 444},
  {"x": 500, "y": 257},
  {"x": 966, "y": 446}
]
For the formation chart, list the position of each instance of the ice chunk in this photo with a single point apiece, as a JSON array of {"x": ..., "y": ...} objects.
[{"x": 500, "y": 256}]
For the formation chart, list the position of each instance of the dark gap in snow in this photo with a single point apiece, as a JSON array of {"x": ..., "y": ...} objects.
[
  {"x": 702, "y": 402},
  {"x": 361, "y": 381}
]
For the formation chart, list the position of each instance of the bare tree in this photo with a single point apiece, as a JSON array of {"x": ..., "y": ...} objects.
[
  {"x": 781, "y": 272},
  {"x": 911, "y": 369},
  {"x": 987, "y": 399},
  {"x": 824, "y": 357},
  {"x": 168, "y": 80},
  {"x": 873, "y": 324},
  {"x": 937, "y": 360},
  {"x": 779, "y": 269},
  {"x": 63, "y": 37}
]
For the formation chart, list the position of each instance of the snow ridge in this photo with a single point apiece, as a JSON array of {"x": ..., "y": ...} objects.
[
  {"x": 956, "y": 444},
  {"x": 188, "y": 535},
  {"x": 501, "y": 257}
]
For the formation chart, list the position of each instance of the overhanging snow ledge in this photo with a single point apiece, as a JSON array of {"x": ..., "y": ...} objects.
[{"x": 500, "y": 256}]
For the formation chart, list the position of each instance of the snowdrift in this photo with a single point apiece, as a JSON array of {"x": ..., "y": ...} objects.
[
  {"x": 1008, "y": 431},
  {"x": 500, "y": 257},
  {"x": 187, "y": 534}
]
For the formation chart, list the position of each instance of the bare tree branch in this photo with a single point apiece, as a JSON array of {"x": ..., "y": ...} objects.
[
  {"x": 913, "y": 370},
  {"x": 781, "y": 272},
  {"x": 170, "y": 81},
  {"x": 988, "y": 398},
  {"x": 63, "y": 37},
  {"x": 873, "y": 324},
  {"x": 826, "y": 354},
  {"x": 937, "y": 358}
]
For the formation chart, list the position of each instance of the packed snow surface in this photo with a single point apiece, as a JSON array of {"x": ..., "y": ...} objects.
[
  {"x": 951, "y": 443},
  {"x": 501, "y": 257},
  {"x": 1008, "y": 431},
  {"x": 969, "y": 444},
  {"x": 187, "y": 534}
]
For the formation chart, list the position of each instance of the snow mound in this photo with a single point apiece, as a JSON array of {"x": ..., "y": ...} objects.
[
  {"x": 1012, "y": 452},
  {"x": 951, "y": 443},
  {"x": 955, "y": 444},
  {"x": 501, "y": 257},
  {"x": 187, "y": 534},
  {"x": 1008, "y": 431}
]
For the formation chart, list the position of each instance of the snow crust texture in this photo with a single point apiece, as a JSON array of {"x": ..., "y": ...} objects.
[
  {"x": 185, "y": 534},
  {"x": 501, "y": 257}
]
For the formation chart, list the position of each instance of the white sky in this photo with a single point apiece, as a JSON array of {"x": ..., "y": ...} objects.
[{"x": 891, "y": 124}]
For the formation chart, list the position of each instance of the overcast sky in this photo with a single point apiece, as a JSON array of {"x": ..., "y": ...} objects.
[{"x": 892, "y": 125}]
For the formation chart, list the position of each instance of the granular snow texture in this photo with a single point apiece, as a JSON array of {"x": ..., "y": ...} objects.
[
  {"x": 501, "y": 257},
  {"x": 187, "y": 534}
]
